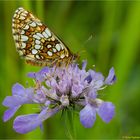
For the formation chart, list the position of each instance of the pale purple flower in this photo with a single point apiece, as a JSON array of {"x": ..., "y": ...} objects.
[{"x": 59, "y": 88}]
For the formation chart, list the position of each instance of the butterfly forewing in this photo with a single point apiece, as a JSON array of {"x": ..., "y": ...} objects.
[{"x": 35, "y": 42}]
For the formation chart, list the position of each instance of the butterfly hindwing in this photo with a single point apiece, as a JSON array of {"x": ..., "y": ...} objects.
[{"x": 35, "y": 42}]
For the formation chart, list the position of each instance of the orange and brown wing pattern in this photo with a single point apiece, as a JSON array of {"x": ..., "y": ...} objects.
[{"x": 35, "y": 42}]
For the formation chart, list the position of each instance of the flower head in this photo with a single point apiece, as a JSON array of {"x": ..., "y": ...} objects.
[{"x": 59, "y": 88}]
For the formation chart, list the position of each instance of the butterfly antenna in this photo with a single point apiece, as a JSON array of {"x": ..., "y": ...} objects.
[
  {"x": 89, "y": 39},
  {"x": 84, "y": 44}
]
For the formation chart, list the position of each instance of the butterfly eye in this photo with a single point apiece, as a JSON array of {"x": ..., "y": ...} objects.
[{"x": 36, "y": 43}]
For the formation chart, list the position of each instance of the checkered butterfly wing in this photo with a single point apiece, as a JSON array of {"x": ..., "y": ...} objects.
[{"x": 35, "y": 42}]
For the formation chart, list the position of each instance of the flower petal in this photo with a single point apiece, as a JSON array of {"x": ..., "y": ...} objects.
[
  {"x": 106, "y": 111},
  {"x": 41, "y": 127},
  {"x": 84, "y": 64},
  {"x": 88, "y": 116},
  {"x": 18, "y": 89},
  {"x": 39, "y": 97},
  {"x": 76, "y": 89},
  {"x": 9, "y": 113},
  {"x": 46, "y": 113},
  {"x": 98, "y": 84},
  {"x": 111, "y": 78},
  {"x": 88, "y": 78},
  {"x": 31, "y": 75},
  {"x": 96, "y": 75},
  {"x": 92, "y": 94},
  {"x": 97, "y": 79},
  {"x": 44, "y": 70},
  {"x": 26, "y": 123},
  {"x": 40, "y": 76},
  {"x": 12, "y": 101}
]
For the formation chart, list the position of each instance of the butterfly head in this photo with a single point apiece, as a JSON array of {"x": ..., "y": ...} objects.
[{"x": 75, "y": 57}]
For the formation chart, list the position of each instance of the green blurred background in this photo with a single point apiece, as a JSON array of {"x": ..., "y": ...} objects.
[{"x": 108, "y": 33}]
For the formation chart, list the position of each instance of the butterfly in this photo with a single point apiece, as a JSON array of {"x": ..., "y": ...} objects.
[{"x": 36, "y": 43}]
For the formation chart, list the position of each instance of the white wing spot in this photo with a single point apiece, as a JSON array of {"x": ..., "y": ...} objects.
[
  {"x": 14, "y": 16},
  {"x": 58, "y": 47},
  {"x": 48, "y": 32},
  {"x": 17, "y": 11},
  {"x": 20, "y": 8},
  {"x": 13, "y": 30},
  {"x": 26, "y": 27},
  {"x": 33, "y": 24},
  {"x": 20, "y": 52},
  {"x": 34, "y": 51},
  {"x": 23, "y": 14},
  {"x": 30, "y": 56},
  {"x": 54, "y": 50},
  {"x": 22, "y": 17},
  {"x": 40, "y": 35},
  {"x": 52, "y": 38},
  {"x": 62, "y": 56},
  {"x": 15, "y": 37},
  {"x": 37, "y": 46},
  {"x": 23, "y": 45},
  {"x": 22, "y": 32},
  {"x": 24, "y": 38},
  {"x": 49, "y": 53},
  {"x": 36, "y": 36},
  {"x": 17, "y": 45},
  {"x": 39, "y": 23},
  {"x": 37, "y": 56},
  {"x": 45, "y": 35},
  {"x": 37, "y": 41},
  {"x": 62, "y": 47},
  {"x": 49, "y": 46}
]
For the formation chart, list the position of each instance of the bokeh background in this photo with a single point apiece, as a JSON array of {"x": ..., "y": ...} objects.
[{"x": 107, "y": 33}]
